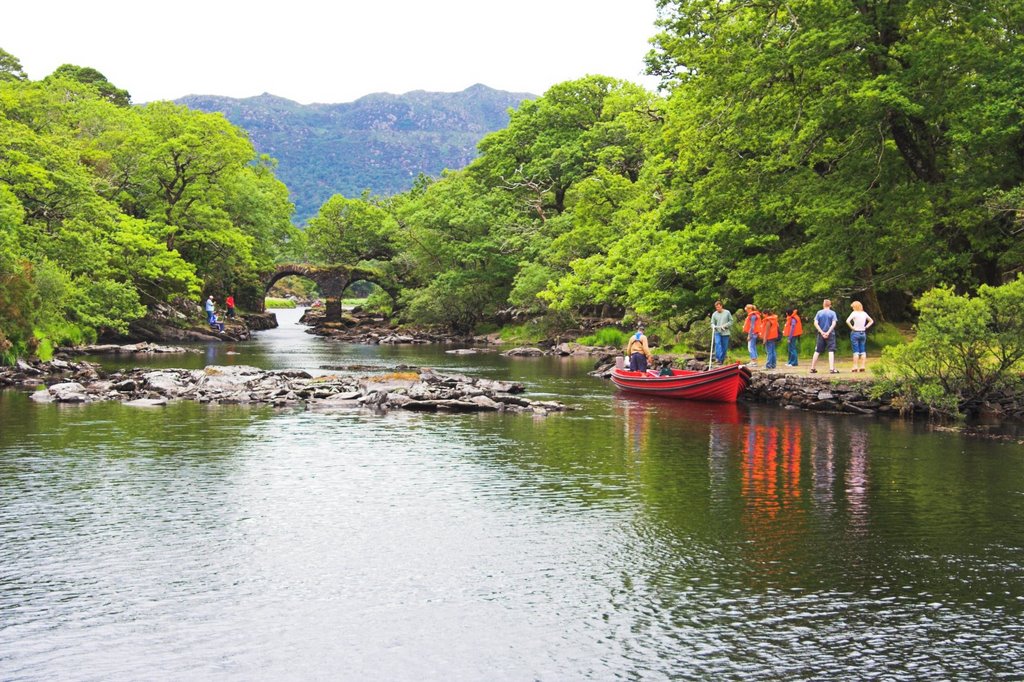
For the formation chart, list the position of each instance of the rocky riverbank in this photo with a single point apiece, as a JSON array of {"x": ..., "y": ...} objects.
[
  {"x": 566, "y": 349},
  {"x": 358, "y": 326},
  {"x": 185, "y": 323},
  {"x": 422, "y": 390}
]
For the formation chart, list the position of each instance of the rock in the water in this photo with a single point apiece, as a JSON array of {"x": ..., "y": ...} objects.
[
  {"x": 147, "y": 402},
  {"x": 524, "y": 352}
]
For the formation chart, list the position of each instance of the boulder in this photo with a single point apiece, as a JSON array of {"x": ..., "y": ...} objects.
[
  {"x": 524, "y": 352},
  {"x": 69, "y": 392}
]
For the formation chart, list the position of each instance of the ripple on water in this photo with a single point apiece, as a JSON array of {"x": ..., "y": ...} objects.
[{"x": 628, "y": 540}]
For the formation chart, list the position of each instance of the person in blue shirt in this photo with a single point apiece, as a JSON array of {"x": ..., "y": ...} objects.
[{"x": 825, "y": 323}]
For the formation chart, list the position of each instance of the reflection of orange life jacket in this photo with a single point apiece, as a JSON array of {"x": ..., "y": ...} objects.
[
  {"x": 770, "y": 328},
  {"x": 758, "y": 324},
  {"x": 798, "y": 330}
]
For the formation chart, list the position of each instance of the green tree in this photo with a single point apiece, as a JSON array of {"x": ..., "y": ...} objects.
[
  {"x": 350, "y": 231},
  {"x": 92, "y": 77},
  {"x": 968, "y": 349},
  {"x": 10, "y": 67},
  {"x": 861, "y": 137}
]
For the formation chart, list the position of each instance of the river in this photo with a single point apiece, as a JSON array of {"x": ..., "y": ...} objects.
[{"x": 632, "y": 539}]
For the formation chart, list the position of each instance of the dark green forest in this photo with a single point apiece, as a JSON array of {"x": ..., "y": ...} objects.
[{"x": 845, "y": 149}]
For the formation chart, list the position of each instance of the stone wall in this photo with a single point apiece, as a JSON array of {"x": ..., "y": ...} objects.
[{"x": 811, "y": 393}]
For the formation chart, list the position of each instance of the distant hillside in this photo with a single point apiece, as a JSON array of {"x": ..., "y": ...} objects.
[{"x": 380, "y": 142}]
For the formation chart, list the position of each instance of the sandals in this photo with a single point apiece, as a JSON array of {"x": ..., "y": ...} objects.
[
  {"x": 833, "y": 371},
  {"x": 813, "y": 371}
]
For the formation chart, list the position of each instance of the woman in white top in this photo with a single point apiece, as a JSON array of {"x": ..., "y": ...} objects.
[{"x": 858, "y": 322}]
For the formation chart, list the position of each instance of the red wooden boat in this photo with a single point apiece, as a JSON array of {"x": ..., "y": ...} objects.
[{"x": 721, "y": 384}]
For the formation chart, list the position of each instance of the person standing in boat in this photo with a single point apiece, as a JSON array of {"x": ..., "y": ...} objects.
[
  {"x": 721, "y": 324},
  {"x": 752, "y": 328},
  {"x": 637, "y": 351}
]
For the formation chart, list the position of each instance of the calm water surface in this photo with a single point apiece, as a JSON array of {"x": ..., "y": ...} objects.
[{"x": 633, "y": 539}]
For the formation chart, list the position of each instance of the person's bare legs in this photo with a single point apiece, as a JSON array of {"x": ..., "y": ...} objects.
[{"x": 814, "y": 361}]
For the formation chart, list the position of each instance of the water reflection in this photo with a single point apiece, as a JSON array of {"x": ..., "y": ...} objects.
[{"x": 633, "y": 539}]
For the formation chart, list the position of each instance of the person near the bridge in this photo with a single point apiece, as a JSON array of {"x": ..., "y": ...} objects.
[
  {"x": 230, "y": 303},
  {"x": 209, "y": 309}
]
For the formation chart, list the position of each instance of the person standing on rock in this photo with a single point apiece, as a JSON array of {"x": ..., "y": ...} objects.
[
  {"x": 858, "y": 322},
  {"x": 209, "y": 308},
  {"x": 637, "y": 351},
  {"x": 230, "y": 303},
  {"x": 721, "y": 324},
  {"x": 825, "y": 323}
]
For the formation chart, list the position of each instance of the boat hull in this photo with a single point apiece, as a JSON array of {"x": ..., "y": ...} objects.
[{"x": 722, "y": 384}]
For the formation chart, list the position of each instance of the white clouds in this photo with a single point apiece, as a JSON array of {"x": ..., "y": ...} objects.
[{"x": 312, "y": 51}]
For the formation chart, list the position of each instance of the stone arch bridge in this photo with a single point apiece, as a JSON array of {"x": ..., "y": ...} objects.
[{"x": 333, "y": 280}]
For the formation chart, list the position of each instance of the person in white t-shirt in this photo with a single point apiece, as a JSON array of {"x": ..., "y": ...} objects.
[{"x": 858, "y": 322}]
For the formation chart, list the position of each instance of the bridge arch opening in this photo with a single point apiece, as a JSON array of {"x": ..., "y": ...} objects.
[
  {"x": 370, "y": 296},
  {"x": 293, "y": 287}
]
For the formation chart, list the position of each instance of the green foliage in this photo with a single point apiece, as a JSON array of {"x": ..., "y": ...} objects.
[
  {"x": 106, "y": 209},
  {"x": 968, "y": 349},
  {"x": 92, "y": 77},
  {"x": 606, "y": 336},
  {"x": 350, "y": 231},
  {"x": 522, "y": 334},
  {"x": 455, "y": 300},
  {"x": 10, "y": 67},
  {"x": 278, "y": 302},
  {"x": 529, "y": 282},
  {"x": 379, "y": 301}
]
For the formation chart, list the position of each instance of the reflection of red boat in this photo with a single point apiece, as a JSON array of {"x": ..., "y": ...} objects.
[{"x": 722, "y": 384}]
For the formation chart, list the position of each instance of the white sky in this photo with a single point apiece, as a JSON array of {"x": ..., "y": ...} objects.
[{"x": 324, "y": 51}]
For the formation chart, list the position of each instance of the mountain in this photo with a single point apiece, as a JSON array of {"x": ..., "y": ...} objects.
[{"x": 379, "y": 142}]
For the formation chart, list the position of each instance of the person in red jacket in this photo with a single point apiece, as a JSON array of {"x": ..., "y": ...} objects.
[
  {"x": 793, "y": 329},
  {"x": 770, "y": 334},
  {"x": 230, "y": 302}
]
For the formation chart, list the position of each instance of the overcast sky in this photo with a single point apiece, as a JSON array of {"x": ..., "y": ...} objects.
[{"x": 322, "y": 51}]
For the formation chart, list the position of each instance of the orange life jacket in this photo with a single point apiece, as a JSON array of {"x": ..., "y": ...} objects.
[
  {"x": 758, "y": 325},
  {"x": 798, "y": 330},
  {"x": 770, "y": 328}
]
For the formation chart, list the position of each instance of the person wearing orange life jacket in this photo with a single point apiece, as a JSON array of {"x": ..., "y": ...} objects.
[
  {"x": 752, "y": 328},
  {"x": 770, "y": 334},
  {"x": 637, "y": 351},
  {"x": 792, "y": 330}
]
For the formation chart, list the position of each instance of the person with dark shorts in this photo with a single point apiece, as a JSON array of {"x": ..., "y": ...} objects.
[{"x": 825, "y": 323}]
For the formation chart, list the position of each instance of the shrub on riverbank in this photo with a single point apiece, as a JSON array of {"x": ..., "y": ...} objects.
[
  {"x": 968, "y": 350},
  {"x": 606, "y": 336},
  {"x": 279, "y": 303}
]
